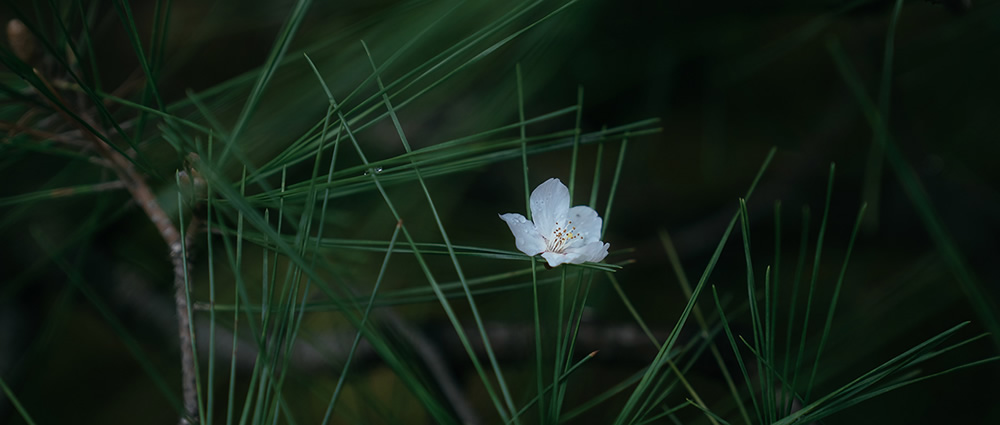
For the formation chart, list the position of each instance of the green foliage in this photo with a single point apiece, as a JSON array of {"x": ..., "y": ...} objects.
[{"x": 335, "y": 203}]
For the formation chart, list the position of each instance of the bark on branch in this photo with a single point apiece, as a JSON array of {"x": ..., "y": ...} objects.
[{"x": 143, "y": 196}]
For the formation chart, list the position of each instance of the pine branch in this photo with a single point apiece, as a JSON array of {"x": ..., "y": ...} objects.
[{"x": 143, "y": 196}]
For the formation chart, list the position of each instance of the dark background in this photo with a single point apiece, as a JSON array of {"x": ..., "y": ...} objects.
[{"x": 728, "y": 80}]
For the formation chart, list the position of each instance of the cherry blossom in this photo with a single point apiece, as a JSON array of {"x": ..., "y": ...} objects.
[{"x": 560, "y": 233}]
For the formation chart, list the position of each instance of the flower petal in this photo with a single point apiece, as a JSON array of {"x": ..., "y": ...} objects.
[
  {"x": 555, "y": 258},
  {"x": 549, "y": 204},
  {"x": 594, "y": 251},
  {"x": 586, "y": 222},
  {"x": 526, "y": 238}
]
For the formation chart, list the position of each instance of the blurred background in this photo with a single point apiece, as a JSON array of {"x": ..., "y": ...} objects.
[{"x": 728, "y": 81}]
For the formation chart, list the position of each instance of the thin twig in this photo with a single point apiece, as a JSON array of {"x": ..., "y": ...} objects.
[
  {"x": 136, "y": 184},
  {"x": 188, "y": 371},
  {"x": 68, "y": 139}
]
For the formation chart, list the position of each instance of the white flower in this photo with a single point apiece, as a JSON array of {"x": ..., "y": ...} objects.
[{"x": 560, "y": 233}]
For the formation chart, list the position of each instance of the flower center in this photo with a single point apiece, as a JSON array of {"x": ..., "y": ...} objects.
[{"x": 561, "y": 237}]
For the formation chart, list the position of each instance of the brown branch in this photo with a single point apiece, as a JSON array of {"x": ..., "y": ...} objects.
[
  {"x": 136, "y": 184},
  {"x": 14, "y": 129},
  {"x": 182, "y": 269}
]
